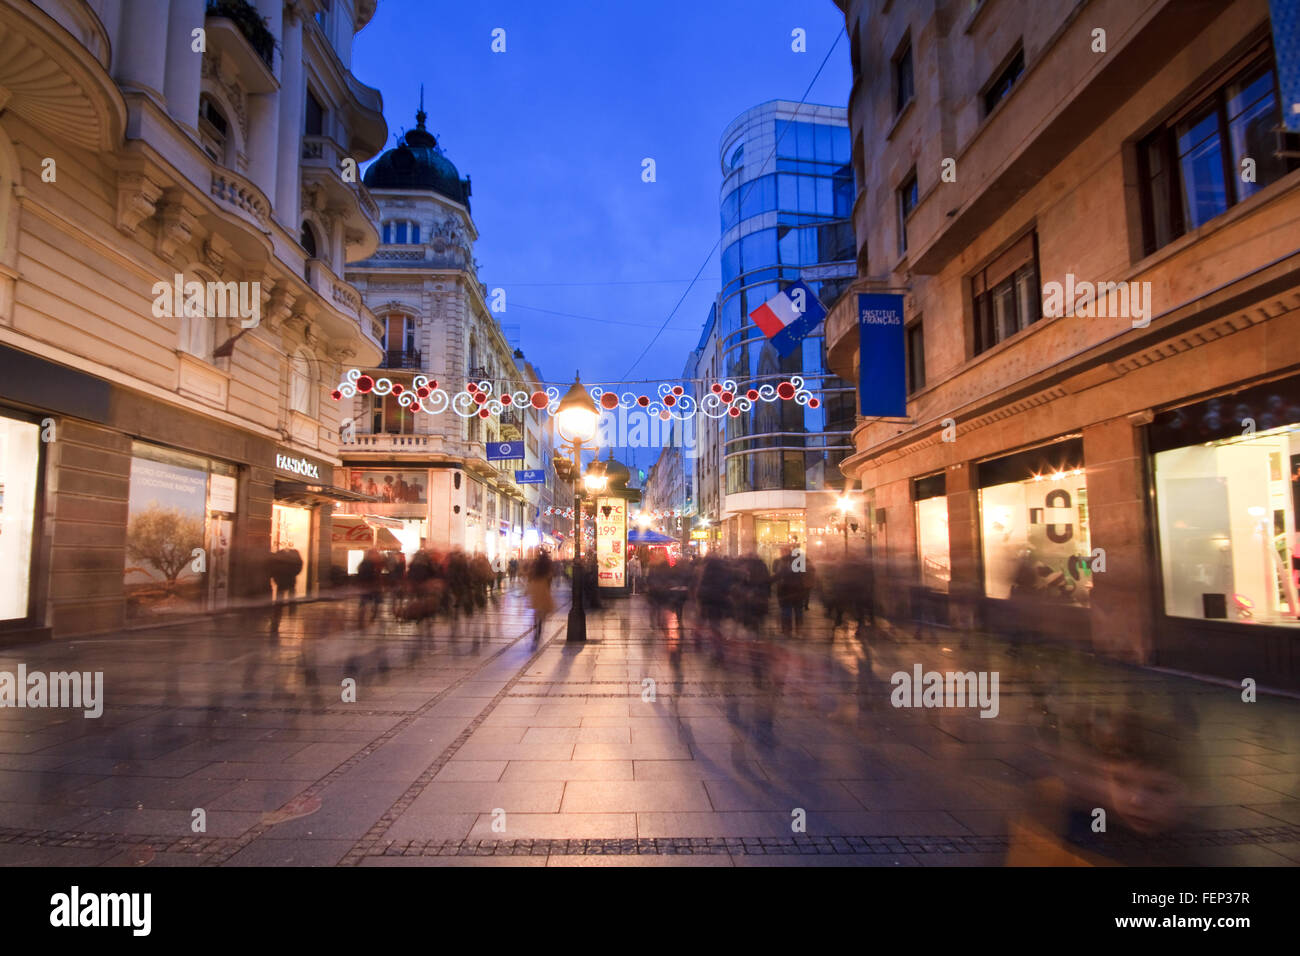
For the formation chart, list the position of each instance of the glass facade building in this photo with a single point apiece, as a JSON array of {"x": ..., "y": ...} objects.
[{"x": 786, "y": 201}]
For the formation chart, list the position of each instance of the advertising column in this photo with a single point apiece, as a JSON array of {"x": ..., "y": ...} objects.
[{"x": 611, "y": 542}]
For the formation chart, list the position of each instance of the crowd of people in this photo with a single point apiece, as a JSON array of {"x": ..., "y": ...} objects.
[{"x": 743, "y": 589}]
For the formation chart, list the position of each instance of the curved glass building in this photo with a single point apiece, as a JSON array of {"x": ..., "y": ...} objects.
[{"x": 787, "y": 197}]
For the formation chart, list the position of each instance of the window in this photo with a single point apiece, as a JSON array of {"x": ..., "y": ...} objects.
[
  {"x": 904, "y": 88},
  {"x": 1002, "y": 84},
  {"x": 907, "y": 199},
  {"x": 214, "y": 131},
  {"x": 20, "y": 461},
  {"x": 931, "y": 512},
  {"x": 401, "y": 232},
  {"x": 308, "y": 240},
  {"x": 390, "y": 417},
  {"x": 300, "y": 384},
  {"x": 915, "y": 357},
  {"x": 1035, "y": 538},
  {"x": 1191, "y": 167},
  {"x": 1007, "y": 294},
  {"x": 1227, "y": 506},
  {"x": 737, "y": 158},
  {"x": 315, "y": 116}
]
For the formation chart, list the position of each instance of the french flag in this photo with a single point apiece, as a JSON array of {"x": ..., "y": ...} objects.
[{"x": 789, "y": 316}]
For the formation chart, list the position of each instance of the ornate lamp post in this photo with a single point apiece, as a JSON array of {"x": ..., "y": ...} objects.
[{"x": 576, "y": 420}]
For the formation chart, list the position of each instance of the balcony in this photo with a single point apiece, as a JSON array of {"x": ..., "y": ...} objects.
[
  {"x": 402, "y": 358},
  {"x": 322, "y": 169},
  {"x": 245, "y": 18},
  {"x": 388, "y": 444},
  {"x": 477, "y": 373}
]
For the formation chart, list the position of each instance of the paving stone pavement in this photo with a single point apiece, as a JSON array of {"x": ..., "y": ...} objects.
[{"x": 655, "y": 742}]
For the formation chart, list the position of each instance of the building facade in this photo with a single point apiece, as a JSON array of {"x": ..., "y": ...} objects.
[
  {"x": 1092, "y": 210},
  {"x": 786, "y": 196},
  {"x": 172, "y": 312},
  {"x": 431, "y": 471}
]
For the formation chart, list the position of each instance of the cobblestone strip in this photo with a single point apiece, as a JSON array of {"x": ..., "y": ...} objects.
[
  {"x": 367, "y": 844},
  {"x": 312, "y": 790},
  {"x": 198, "y": 846},
  {"x": 800, "y": 845}
]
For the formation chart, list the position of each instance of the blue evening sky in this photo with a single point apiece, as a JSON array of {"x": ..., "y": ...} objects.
[{"x": 553, "y": 132}]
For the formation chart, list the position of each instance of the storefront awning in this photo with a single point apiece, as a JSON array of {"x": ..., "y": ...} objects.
[
  {"x": 304, "y": 493},
  {"x": 356, "y": 533}
]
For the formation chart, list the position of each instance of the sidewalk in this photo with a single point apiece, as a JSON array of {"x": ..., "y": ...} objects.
[{"x": 480, "y": 748}]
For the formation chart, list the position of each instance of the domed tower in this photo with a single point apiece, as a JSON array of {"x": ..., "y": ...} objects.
[
  {"x": 423, "y": 287},
  {"x": 418, "y": 162}
]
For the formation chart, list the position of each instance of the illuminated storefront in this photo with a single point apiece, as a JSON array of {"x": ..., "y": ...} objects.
[
  {"x": 20, "y": 471},
  {"x": 1034, "y": 525}
]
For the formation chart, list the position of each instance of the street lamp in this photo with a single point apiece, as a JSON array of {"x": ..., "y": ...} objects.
[{"x": 576, "y": 420}]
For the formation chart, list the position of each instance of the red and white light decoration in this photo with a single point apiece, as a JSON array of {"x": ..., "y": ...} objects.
[{"x": 670, "y": 401}]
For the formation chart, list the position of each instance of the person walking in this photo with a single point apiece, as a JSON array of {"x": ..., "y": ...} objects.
[
  {"x": 634, "y": 571},
  {"x": 370, "y": 574},
  {"x": 791, "y": 583},
  {"x": 284, "y": 566},
  {"x": 539, "y": 593}
]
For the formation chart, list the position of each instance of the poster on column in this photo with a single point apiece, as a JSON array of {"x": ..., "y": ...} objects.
[{"x": 611, "y": 542}]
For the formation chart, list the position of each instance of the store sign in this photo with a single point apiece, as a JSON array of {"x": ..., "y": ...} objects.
[
  {"x": 221, "y": 493},
  {"x": 882, "y": 380},
  {"x": 534, "y": 476},
  {"x": 298, "y": 466},
  {"x": 611, "y": 542},
  {"x": 699, "y": 536}
]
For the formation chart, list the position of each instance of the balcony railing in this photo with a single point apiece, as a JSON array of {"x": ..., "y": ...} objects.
[
  {"x": 402, "y": 358},
  {"x": 246, "y": 19},
  {"x": 477, "y": 372}
]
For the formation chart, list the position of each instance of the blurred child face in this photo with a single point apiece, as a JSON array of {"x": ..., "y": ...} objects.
[{"x": 1146, "y": 799}]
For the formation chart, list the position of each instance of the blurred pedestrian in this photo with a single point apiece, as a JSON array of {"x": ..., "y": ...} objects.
[
  {"x": 539, "y": 592},
  {"x": 284, "y": 566}
]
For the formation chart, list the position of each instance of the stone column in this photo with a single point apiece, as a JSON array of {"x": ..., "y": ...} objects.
[
  {"x": 264, "y": 112},
  {"x": 139, "y": 58},
  {"x": 184, "y": 66},
  {"x": 1124, "y": 595},
  {"x": 967, "y": 585},
  {"x": 293, "y": 91}
]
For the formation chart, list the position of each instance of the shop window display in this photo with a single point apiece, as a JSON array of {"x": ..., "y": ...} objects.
[
  {"x": 932, "y": 543},
  {"x": 1036, "y": 540},
  {"x": 1227, "y": 526},
  {"x": 19, "y": 459}
]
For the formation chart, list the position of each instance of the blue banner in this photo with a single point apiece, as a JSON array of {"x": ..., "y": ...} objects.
[
  {"x": 1285, "y": 15},
  {"x": 534, "y": 476},
  {"x": 882, "y": 376},
  {"x": 504, "y": 450}
]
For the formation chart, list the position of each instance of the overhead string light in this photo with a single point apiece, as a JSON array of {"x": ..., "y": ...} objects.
[{"x": 667, "y": 401}]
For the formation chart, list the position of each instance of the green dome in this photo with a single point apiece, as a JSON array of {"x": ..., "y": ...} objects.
[{"x": 418, "y": 163}]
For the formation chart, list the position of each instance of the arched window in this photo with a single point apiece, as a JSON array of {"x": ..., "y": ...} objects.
[
  {"x": 198, "y": 329},
  {"x": 301, "y": 389},
  {"x": 214, "y": 129},
  {"x": 308, "y": 239}
]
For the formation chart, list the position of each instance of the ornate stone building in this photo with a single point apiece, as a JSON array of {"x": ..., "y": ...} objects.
[
  {"x": 177, "y": 204},
  {"x": 422, "y": 285}
]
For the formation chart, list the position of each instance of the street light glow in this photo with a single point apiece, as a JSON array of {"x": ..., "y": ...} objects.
[{"x": 576, "y": 417}]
